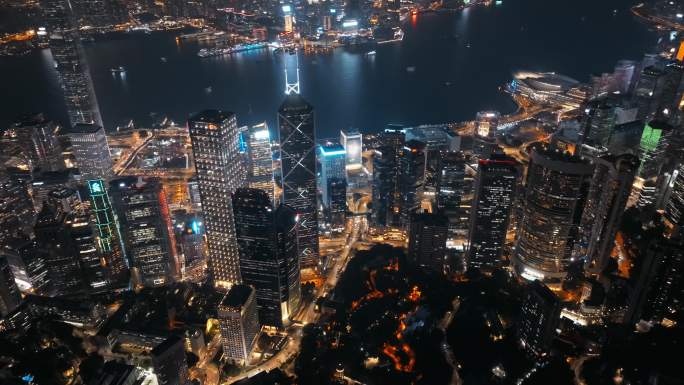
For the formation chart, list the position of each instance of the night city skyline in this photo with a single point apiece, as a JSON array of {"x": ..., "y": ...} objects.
[{"x": 216, "y": 192}]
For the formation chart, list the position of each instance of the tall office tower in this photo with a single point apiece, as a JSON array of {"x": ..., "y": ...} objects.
[
  {"x": 10, "y": 297},
  {"x": 169, "y": 363},
  {"x": 146, "y": 229},
  {"x": 484, "y": 142},
  {"x": 411, "y": 178},
  {"x": 450, "y": 181},
  {"x": 658, "y": 291},
  {"x": 386, "y": 183},
  {"x": 669, "y": 93},
  {"x": 610, "y": 190},
  {"x": 298, "y": 170},
  {"x": 539, "y": 318},
  {"x": 427, "y": 241},
  {"x": 52, "y": 234},
  {"x": 16, "y": 210},
  {"x": 260, "y": 170},
  {"x": 645, "y": 91},
  {"x": 72, "y": 65},
  {"x": 352, "y": 142},
  {"x": 28, "y": 265},
  {"x": 43, "y": 183},
  {"x": 332, "y": 163},
  {"x": 494, "y": 193},
  {"x": 272, "y": 271},
  {"x": 107, "y": 232},
  {"x": 674, "y": 209},
  {"x": 337, "y": 206},
  {"x": 556, "y": 190},
  {"x": 220, "y": 172},
  {"x": 38, "y": 139},
  {"x": 239, "y": 323},
  {"x": 93, "y": 272},
  {"x": 624, "y": 75},
  {"x": 597, "y": 123},
  {"x": 90, "y": 150},
  {"x": 653, "y": 147}
]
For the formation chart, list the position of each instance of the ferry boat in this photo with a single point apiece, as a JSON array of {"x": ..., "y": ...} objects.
[
  {"x": 208, "y": 52},
  {"x": 118, "y": 70}
]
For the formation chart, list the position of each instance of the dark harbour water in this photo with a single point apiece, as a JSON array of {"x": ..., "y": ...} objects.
[{"x": 460, "y": 61}]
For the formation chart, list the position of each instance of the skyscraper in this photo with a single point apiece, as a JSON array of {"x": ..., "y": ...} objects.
[
  {"x": 52, "y": 234},
  {"x": 169, "y": 363},
  {"x": 90, "y": 150},
  {"x": 145, "y": 222},
  {"x": 352, "y": 142},
  {"x": 10, "y": 298},
  {"x": 556, "y": 190},
  {"x": 597, "y": 123},
  {"x": 539, "y": 318},
  {"x": 269, "y": 261},
  {"x": 332, "y": 161},
  {"x": 239, "y": 323},
  {"x": 450, "y": 180},
  {"x": 298, "y": 171},
  {"x": 427, "y": 241},
  {"x": 411, "y": 178},
  {"x": 494, "y": 193},
  {"x": 38, "y": 139},
  {"x": 674, "y": 210},
  {"x": 653, "y": 146},
  {"x": 220, "y": 172},
  {"x": 484, "y": 141},
  {"x": 72, "y": 65},
  {"x": 611, "y": 187},
  {"x": 337, "y": 203},
  {"x": 260, "y": 170},
  {"x": 107, "y": 232},
  {"x": 658, "y": 290},
  {"x": 16, "y": 211},
  {"x": 386, "y": 181}
]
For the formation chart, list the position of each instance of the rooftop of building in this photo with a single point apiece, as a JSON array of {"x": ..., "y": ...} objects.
[
  {"x": 211, "y": 116},
  {"x": 237, "y": 296},
  {"x": 295, "y": 102},
  {"x": 166, "y": 345},
  {"x": 546, "y": 81},
  {"x": 82, "y": 128}
]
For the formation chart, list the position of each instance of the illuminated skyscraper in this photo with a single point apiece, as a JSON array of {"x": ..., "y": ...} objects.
[
  {"x": 332, "y": 161},
  {"x": 411, "y": 178},
  {"x": 556, "y": 191},
  {"x": 269, "y": 260},
  {"x": 450, "y": 180},
  {"x": 539, "y": 318},
  {"x": 653, "y": 146},
  {"x": 484, "y": 141},
  {"x": 610, "y": 190},
  {"x": 674, "y": 210},
  {"x": 352, "y": 142},
  {"x": 72, "y": 65},
  {"x": 494, "y": 194},
  {"x": 90, "y": 150},
  {"x": 145, "y": 221},
  {"x": 386, "y": 179},
  {"x": 298, "y": 169},
  {"x": 108, "y": 235},
  {"x": 260, "y": 170},
  {"x": 38, "y": 139},
  {"x": 215, "y": 145},
  {"x": 239, "y": 323},
  {"x": 288, "y": 18}
]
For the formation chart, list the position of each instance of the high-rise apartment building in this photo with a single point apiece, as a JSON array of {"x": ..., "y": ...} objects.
[{"x": 239, "y": 323}]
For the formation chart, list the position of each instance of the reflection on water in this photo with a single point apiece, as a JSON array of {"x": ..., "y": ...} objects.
[{"x": 449, "y": 82}]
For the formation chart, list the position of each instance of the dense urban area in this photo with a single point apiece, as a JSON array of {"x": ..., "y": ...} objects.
[{"x": 542, "y": 246}]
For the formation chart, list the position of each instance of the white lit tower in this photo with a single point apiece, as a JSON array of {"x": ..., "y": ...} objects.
[{"x": 297, "y": 136}]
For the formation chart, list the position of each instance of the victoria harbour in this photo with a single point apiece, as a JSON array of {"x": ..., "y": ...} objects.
[{"x": 448, "y": 67}]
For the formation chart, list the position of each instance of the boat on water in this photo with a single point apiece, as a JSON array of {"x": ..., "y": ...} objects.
[
  {"x": 118, "y": 70},
  {"x": 208, "y": 89},
  {"x": 411, "y": 69},
  {"x": 370, "y": 53},
  {"x": 163, "y": 59},
  {"x": 208, "y": 52}
]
